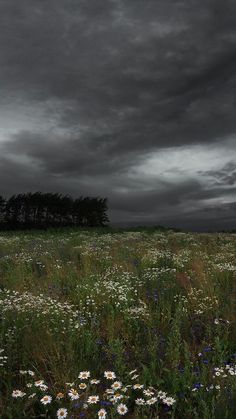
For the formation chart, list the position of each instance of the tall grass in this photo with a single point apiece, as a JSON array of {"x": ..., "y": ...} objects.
[{"x": 161, "y": 303}]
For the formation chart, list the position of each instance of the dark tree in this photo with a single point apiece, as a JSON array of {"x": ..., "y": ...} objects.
[
  {"x": 13, "y": 214},
  {"x": 2, "y": 210},
  {"x": 43, "y": 210},
  {"x": 90, "y": 212}
]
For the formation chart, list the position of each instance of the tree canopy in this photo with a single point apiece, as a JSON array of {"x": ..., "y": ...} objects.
[{"x": 44, "y": 210}]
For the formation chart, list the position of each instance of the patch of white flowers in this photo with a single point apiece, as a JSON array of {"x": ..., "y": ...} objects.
[
  {"x": 115, "y": 287},
  {"x": 60, "y": 316},
  {"x": 120, "y": 397}
]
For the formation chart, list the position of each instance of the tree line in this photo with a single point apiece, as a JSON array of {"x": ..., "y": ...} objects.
[{"x": 44, "y": 210}]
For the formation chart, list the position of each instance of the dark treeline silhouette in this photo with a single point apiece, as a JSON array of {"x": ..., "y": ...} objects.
[{"x": 44, "y": 210}]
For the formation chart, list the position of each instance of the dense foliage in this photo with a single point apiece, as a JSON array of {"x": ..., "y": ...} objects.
[
  {"x": 43, "y": 210},
  {"x": 96, "y": 324}
]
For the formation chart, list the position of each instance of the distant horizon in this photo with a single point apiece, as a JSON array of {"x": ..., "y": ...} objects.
[
  {"x": 185, "y": 226},
  {"x": 172, "y": 227}
]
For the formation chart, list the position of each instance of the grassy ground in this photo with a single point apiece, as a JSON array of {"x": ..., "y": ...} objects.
[{"x": 143, "y": 321}]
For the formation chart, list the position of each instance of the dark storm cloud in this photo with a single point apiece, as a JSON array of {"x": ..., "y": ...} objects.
[
  {"x": 225, "y": 176},
  {"x": 117, "y": 80},
  {"x": 182, "y": 207},
  {"x": 154, "y": 72},
  {"x": 69, "y": 156}
]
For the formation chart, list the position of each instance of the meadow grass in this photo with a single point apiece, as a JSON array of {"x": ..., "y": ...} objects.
[{"x": 105, "y": 323}]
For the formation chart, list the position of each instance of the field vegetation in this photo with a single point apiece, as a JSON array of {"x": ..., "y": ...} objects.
[{"x": 99, "y": 323}]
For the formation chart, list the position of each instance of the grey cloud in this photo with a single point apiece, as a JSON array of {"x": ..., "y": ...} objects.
[
  {"x": 225, "y": 176},
  {"x": 117, "y": 80},
  {"x": 69, "y": 156},
  {"x": 174, "y": 83}
]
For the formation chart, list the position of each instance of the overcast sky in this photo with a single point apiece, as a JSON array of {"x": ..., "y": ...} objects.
[{"x": 130, "y": 99}]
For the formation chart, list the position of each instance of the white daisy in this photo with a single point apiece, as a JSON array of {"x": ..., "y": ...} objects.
[
  {"x": 169, "y": 401},
  {"x": 94, "y": 381},
  {"x": 148, "y": 393},
  {"x": 109, "y": 375},
  {"x": 137, "y": 386},
  {"x": 140, "y": 402},
  {"x": 46, "y": 400},
  {"x": 151, "y": 401},
  {"x": 18, "y": 393},
  {"x": 38, "y": 383},
  {"x": 93, "y": 399},
  {"x": 73, "y": 394},
  {"x": 84, "y": 375},
  {"x": 62, "y": 413},
  {"x": 161, "y": 395},
  {"x": 116, "y": 385},
  {"x": 122, "y": 409},
  {"x": 102, "y": 413}
]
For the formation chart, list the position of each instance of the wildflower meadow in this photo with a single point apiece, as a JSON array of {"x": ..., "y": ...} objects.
[{"x": 102, "y": 323}]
